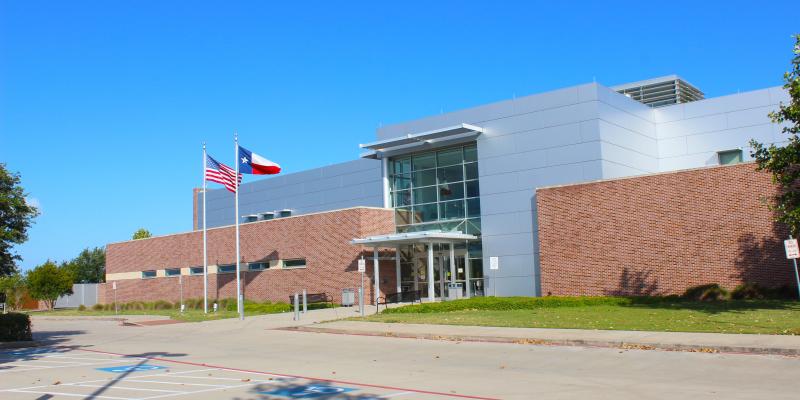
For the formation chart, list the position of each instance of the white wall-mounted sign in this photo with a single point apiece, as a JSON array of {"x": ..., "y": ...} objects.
[
  {"x": 494, "y": 262},
  {"x": 362, "y": 265},
  {"x": 792, "y": 250}
]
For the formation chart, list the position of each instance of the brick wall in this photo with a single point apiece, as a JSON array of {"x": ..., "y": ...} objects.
[
  {"x": 323, "y": 239},
  {"x": 660, "y": 234}
]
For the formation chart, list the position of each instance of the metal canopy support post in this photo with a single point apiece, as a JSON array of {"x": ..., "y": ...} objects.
[
  {"x": 431, "y": 290},
  {"x": 452, "y": 263},
  {"x": 397, "y": 267},
  {"x": 467, "y": 272},
  {"x": 305, "y": 301},
  {"x": 375, "y": 263}
]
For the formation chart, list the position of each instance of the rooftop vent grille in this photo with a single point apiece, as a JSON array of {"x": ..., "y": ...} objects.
[{"x": 664, "y": 93}]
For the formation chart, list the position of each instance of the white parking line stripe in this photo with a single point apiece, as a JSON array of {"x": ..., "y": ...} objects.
[
  {"x": 209, "y": 377},
  {"x": 107, "y": 380},
  {"x": 131, "y": 388},
  {"x": 58, "y": 362},
  {"x": 42, "y": 367},
  {"x": 394, "y": 394},
  {"x": 174, "y": 383},
  {"x": 199, "y": 391},
  {"x": 69, "y": 394}
]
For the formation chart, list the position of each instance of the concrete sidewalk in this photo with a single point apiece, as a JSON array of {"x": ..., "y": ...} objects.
[{"x": 676, "y": 341}]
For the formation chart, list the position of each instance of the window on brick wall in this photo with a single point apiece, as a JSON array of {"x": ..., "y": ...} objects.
[
  {"x": 729, "y": 157},
  {"x": 226, "y": 269},
  {"x": 294, "y": 263},
  {"x": 148, "y": 274},
  {"x": 259, "y": 266},
  {"x": 172, "y": 272},
  {"x": 196, "y": 271}
]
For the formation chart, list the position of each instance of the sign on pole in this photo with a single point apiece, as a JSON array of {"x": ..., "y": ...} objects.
[
  {"x": 792, "y": 249},
  {"x": 494, "y": 262},
  {"x": 362, "y": 265}
]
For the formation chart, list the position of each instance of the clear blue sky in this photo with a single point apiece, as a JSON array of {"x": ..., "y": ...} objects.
[{"x": 104, "y": 105}]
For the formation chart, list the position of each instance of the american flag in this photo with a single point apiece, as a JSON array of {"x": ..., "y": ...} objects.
[{"x": 221, "y": 173}]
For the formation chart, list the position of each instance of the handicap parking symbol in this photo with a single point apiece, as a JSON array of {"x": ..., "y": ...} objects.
[
  {"x": 308, "y": 391},
  {"x": 131, "y": 368}
]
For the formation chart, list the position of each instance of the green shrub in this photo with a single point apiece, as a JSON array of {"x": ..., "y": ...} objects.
[
  {"x": 98, "y": 307},
  {"x": 81, "y": 307},
  {"x": 15, "y": 327},
  {"x": 749, "y": 291},
  {"x": 708, "y": 292},
  {"x": 164, "y": 305}
]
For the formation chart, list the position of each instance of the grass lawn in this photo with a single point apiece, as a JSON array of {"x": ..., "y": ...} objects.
[
  {"x": 644, "y": 314},
  {"x": 190, "y": 315}
]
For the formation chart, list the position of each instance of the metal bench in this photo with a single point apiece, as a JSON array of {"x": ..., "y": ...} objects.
[
  {"x": 312, "y": 298},
  {"x": 411, "y": 296}
]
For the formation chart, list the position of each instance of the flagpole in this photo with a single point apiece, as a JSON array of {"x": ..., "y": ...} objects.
[
  {"x": 239, "y": 305},
  {"x": 205, "y": 239}
]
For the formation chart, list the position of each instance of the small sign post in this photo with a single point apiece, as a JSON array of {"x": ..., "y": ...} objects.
[
  {"x": 793, "y": 253},
  {"x": 114, "y": 286},
  {"x": 494, "y": 265},
  {"x": 362, "y": 267}
]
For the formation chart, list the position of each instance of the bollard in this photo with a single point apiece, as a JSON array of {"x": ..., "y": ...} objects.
[
  {"x": 296, "y": 307},
  {"x": 305, "y": 301},
  {"x": 215, "y": 307}
]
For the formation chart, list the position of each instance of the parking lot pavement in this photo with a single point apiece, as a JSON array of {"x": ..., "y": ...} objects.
[{"x": 75, "y": 373}]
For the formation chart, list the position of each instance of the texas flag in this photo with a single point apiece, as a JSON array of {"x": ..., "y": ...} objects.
[{"x": 252, "y": 163}]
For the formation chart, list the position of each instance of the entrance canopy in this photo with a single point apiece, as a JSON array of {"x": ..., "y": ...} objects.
[{"x": 399, "y": 239}]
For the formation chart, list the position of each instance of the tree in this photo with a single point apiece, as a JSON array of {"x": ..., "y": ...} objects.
[
  {"x": 14, "y": 288},
  {"x": 88, "y": 266},
  {"x": 784, "y": 162},
  {"x": 141, "y": 234},
  {"x": 48, "y": 282},
  {"x": 16, "y": 216}
]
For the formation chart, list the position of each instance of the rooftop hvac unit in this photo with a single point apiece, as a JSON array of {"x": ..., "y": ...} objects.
[{"x": 266, "y": 216}]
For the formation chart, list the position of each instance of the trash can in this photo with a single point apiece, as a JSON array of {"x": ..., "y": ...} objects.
[
  {"x": 348, "y": 297},
  {"x": 454, "y": 291}
]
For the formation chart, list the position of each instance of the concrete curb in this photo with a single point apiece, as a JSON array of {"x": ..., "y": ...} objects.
[{"x": 559, "y": 342}]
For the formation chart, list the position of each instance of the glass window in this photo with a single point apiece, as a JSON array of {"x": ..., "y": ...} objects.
[
  {"x": 473, "y": 226},
  {"x": 475, "y": 268},
  {"x": 470, "y": 153},
  {"x": 402, "y": 198},
  {"x": 425, "y": 195},
  {"x": 196, "y": 271},
  {"x": 402, "y": 216},
  {"x": 453, "y": 173},
  {"x": 449, "y": 157},
  {"x": 172, "y": 271},
  {"x": 401, "y": 182},
  {"x": 425, "y": 213},
  {"x": 451, "y": 209},
  {"x": 475, "y": 249},
  {"x": 424, "y": 178},
  {"x": 259, "y": 266},
  {"x": 451, "y": 191},
  {"x": 294, "y": 263},
  {"x": 401, "y": 166},
  {"x": 423, "y": 161},
  {"x": 471, "y": 171},
  {"x": 148, "y": 274},
  {"x": 474, "y": 207},
  {"x": 472, "y": 189},
  {"x": 730, "y": 157},
  {"x": 226, "y": 269}
]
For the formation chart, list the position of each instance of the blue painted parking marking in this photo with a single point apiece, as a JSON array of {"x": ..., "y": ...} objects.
[
  {"x": 131, "y": 368},
  {"x": 308, "y": 391}
]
